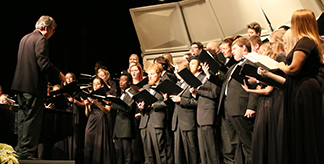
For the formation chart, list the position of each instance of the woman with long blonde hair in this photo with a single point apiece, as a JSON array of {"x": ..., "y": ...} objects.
[
  {"x": 302, "y": 118},
  {"x": 277, "y": 45}
]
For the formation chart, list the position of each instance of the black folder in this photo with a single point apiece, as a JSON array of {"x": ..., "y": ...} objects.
[
  {"x": 238, "y": 75},
  {"x": 116, "y": 100},
  {"x": 86, "y": 78},
  {"x": 229, "y": 64},
  {"x": 214, "y": 66},
  {"x": 252, "y": 71},
  {"x": 189, "y": 78},
  {"x": 140, "y": 84},
  {"x": 58, "y": 101},
  {"x": 71, "y": 89},
  {"x": 145, "y": 96},
  {"x": 99, "y": 94},
  {"x": 169, "y": 87}
]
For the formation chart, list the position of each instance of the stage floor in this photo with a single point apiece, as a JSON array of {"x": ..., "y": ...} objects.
[{"x": 46, "y": 162}]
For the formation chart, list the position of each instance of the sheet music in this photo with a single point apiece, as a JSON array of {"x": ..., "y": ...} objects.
[{"x": 263, "y": 61}]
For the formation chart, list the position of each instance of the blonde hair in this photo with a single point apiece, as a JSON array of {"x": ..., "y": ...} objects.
[
  {"x": 182, "y": 65},
  {"x": 137, "y": 58},
  {"x": 106, "y": 72},
  {"x": 268, "y": 51},
  {"x": 277, "y": 36},
  {"x": 303, "y": 24},
  {"x": 290, "y": 41},
  {"x": 168, "y": 56},
  {"x": 156, "y": 67}
]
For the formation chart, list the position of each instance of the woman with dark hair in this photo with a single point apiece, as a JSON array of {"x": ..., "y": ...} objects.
[{"x": 98, "y": 146}]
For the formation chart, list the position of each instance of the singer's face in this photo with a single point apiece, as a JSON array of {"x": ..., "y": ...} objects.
[
  {"x": 135, "y": 72},
  {"x": 194, "y": 66},
  {"x": 68, "y": 78},
  {"x": 194, "y": 50},
  {"x": 153, "y": 77},
  {"x": 96, "y": 84},
  {"x": 102, "y": 75},
  {"x": 123, "y": 82},
  {"x": 226, "y": 49},
  {"x": 237, "y": 51},
  {"x": 132, "y": 58},
  {"x": 251, "y": 32}
]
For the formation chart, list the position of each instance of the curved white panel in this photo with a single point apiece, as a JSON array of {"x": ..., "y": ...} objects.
[
  {"x": 201, "y": 21},
  {"x": 234, "y": 15},
  {"x": 160, "y": 28}
]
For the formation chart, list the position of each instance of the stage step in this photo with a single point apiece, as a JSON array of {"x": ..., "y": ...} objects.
[{"x": 46, "y": 162}]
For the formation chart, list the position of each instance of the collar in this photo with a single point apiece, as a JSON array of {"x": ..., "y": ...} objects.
[
  {"x": 163, "y": 73},
  {"x": 197, "y": 74}
]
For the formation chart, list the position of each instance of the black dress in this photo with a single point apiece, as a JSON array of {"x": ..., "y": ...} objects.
[
  {"x": 303, "y": 125},
  {"x": 261, "y": 135},
  {"x": 266, "y": 142},
  {"x": 98, "y": 146}
]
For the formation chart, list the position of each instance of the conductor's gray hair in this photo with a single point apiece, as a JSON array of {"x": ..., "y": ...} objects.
[{"x": 45, "y": 21}]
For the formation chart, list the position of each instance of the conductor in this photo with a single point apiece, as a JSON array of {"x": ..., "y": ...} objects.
[{"x": 30, "y": 83}]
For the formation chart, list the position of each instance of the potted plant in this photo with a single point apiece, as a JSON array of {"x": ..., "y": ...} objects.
[{"x": 7, "y": 154}]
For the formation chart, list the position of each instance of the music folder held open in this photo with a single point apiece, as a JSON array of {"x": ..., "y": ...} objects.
[
  {"x": 252, "y": 71},
  {"x": 189, "y": 78},
  {"x": 214, "y": 66},
  {"x": 262, "y": 61},
  {"x": 145, "y": 96},
  {"x": 116, "y": 100},
  {"x": 140, "y": 84},
  {"x": 99, "y": 94},
  {"x": 169, "y": 87}
]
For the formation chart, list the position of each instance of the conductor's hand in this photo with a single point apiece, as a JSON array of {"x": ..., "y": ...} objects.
[
  {"x": 249, "y": 113},
  {"x": 62, "y": 77}
]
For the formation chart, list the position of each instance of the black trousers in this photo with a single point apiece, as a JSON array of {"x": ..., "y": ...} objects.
[
  {"x": 186, "y": 146},
  {"x": 208, "y": 146},
  {"x": 30, "y": 117},
  {"x": 237, "y": 139},
  {"x": 154, "y": 143},
  {"x": 123, "y": 147}
]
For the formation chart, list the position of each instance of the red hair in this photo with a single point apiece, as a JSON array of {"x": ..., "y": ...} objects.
[{"x": 140, "y": 69}]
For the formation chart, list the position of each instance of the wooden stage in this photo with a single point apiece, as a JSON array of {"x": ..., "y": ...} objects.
[{"x": 46, "y": 162}]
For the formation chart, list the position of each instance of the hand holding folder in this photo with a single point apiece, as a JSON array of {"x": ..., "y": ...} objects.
[
  {"x": 169, "y": 87},
  {"x": 99, "y": 94},
  {"x": 145, "y": 96},
  {"x": 214, "y": 66},
  {"x": 189, "y": 78}
]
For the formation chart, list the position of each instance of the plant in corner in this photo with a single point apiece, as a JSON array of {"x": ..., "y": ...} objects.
[{"x": 7, "y": 154}]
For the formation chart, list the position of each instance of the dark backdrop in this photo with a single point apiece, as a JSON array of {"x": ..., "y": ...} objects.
[{"x": 87, "y": 31}]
